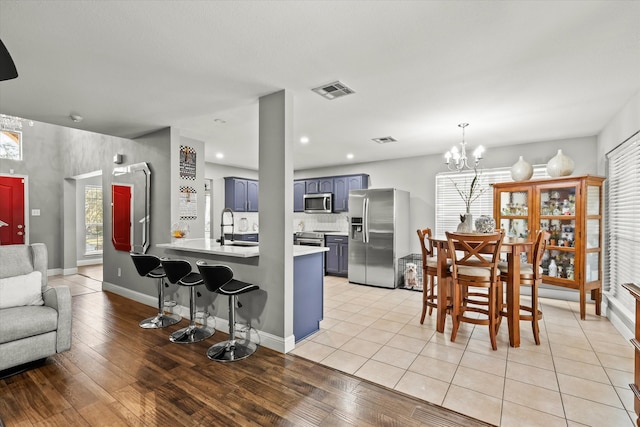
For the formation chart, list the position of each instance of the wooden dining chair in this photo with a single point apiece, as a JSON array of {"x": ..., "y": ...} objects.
[
  {"x": 430, "y": 274},
  {"x": 530, "y": 275},
  {"x": 477, "y": 286}
]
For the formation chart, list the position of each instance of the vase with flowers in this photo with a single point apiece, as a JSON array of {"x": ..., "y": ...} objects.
[{"x": 469, "y": 195}]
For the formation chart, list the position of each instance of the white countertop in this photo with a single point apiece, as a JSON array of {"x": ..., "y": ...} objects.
[{"x": 210, "y": 246}]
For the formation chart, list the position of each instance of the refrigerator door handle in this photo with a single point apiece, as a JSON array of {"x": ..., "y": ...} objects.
[{"x": 365, "y": 216}]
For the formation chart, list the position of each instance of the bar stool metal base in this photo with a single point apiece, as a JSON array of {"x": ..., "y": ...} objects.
[
  {"x": 160, "y": 321},
  {"x": 229, "y": 351},
  {"x": 191, "y": 334}
]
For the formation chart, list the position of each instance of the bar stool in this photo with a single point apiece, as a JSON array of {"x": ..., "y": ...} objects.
[
  {"x": 219, "y": 278},
  {"x": 149, "y": 266},
  {"x": 429, "y": 274},
  {"x": 475, "y": 265},
  {"x": 530, "y": 275},
  {"x": 179, "y": 272}
]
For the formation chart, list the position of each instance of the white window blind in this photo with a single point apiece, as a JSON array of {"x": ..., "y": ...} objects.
[
  {"x": 622, "y": 232},
  {"x": 449, "y": 204}
]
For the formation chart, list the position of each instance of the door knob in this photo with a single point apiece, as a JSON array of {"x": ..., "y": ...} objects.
[
  {"x": 20, "y": 233},
  {"x": 19, "y": 226}
]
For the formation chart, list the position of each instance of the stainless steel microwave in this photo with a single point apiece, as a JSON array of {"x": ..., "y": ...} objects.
[{"x": 318, "y": 203}]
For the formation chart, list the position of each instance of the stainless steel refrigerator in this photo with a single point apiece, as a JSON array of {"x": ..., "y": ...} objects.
[{"x": 378, "y": 235}]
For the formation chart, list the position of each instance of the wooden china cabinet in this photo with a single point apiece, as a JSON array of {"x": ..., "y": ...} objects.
[{"x": 570, "y": 209}]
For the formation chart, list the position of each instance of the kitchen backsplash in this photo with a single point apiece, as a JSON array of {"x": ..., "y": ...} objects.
[
  {"x": 251, "y": 222},
  {"x": 320, "y": 222}
]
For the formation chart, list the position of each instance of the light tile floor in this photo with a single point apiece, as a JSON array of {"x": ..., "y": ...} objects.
[{"x": 579, "y": 375}]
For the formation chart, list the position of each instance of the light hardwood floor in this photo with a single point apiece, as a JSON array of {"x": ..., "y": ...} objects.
[{"x": 118, "y": 374}]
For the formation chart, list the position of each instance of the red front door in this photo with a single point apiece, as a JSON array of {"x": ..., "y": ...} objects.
[{"x": 12, "y": 230}]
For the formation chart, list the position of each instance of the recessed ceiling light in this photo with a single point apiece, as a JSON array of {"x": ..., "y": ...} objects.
[
  {"x": 220, "y": 121},
  {"x": 304, "y": 140},
  {"x": 219, "y": 155},
  {"x": 349, "y": 156}
]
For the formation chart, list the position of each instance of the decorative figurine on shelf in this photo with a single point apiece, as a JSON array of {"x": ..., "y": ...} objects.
[{"x": 553, "y": 268}]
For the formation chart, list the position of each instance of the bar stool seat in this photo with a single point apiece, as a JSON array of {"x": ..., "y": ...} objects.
[
  {"x": 219, "y": 278},
  {"x": 150, "y": 266},
  {"x": 179, "y": 272}
]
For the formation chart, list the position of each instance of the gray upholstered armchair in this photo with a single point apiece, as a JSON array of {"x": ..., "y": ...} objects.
[{"x": 35, "y": 319}]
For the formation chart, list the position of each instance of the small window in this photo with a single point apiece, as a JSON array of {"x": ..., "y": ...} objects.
[
  {"x": 10, "y": 144},
  {"x": 93, "y": 219}
]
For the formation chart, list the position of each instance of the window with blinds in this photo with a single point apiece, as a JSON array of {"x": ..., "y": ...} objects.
[
  {"x": 449, "y": 204},
  {"x": 622, "y": 238}
]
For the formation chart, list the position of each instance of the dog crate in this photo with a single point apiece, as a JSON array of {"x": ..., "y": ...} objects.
[{"x": 402, "y": 268}]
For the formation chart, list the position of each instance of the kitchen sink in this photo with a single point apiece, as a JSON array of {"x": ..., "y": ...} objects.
[{"x": 240, "y": 243}]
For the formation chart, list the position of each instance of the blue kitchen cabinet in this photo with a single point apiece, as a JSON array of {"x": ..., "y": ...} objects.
[
  {"x": 341, "y": 187},
  {"x": 240, "y": 194},
  {"x": 337, "y": 259},
  {"x": 299, "y": 187},
  {"x": 319, "y": 185},
  {"x": 308, "y": 294}
]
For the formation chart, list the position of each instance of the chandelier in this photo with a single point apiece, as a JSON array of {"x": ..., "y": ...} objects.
[
  {"x": 12, "y": 122},
  {"x": 459, "y": 157}
]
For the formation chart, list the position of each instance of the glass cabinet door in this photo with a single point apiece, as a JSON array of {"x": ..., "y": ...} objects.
[
  {"x": 514, "y": 213},
  {"x": 592, "y": 235},
  {"x": 558, "y": 217}
]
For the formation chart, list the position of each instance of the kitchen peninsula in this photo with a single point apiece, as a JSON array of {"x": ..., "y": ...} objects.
[{"x": 243, "y": 258}]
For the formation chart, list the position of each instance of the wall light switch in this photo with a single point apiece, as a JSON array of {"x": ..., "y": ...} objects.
[{"x": 35, "y": 212}]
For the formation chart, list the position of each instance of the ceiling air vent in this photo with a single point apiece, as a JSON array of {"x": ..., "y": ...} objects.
[
  {"x": 333, "y": 90},
  {"x": 385, "y": 140}
]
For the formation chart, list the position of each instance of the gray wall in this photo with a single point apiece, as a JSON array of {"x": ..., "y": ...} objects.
[{"x": 42, "y": 162}]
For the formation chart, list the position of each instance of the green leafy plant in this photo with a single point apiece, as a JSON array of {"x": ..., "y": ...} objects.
[{"x": 470, "y": 194}]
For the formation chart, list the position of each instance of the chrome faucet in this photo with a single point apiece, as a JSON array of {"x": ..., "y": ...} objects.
[{"x": 223, "y": 225}]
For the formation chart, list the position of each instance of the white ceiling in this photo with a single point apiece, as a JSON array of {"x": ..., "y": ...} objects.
[{"x": 516, "y": 71}]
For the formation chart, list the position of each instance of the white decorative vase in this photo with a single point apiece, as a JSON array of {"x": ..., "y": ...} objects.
[
  {"x": 521, "y": 170},
  {"x": 560, "y": 165},
  {"x": 485, "y": 224}
]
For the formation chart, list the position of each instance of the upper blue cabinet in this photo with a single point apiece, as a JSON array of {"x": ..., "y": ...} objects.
[
  {"x": 299, "y": 187},
  {"x": 319, "y": 185},
  {"x": 341, "y": 187},
  {"x": 338, "y": 185},
  {"x": 240, "y": 194}
]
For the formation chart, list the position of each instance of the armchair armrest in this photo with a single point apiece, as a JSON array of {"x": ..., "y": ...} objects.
[{"x": 59, "y": 298}]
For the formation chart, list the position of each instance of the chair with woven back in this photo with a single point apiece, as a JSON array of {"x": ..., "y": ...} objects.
[
  {"x": 477, "y": 286},
  {"x": 430, "y": 274},
  {"x": 530, "y": 275}
]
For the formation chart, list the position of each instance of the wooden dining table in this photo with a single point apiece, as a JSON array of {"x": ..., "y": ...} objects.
[{"x": 513, "y": 247}]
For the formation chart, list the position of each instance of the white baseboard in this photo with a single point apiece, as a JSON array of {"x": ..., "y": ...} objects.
[
  {"x": 88, "y": 261},
  {"x": 265, "y": 339},
  {"x": 54, "y": 272},
  {"x": 70, "y": 271},
  {"x": 618, "y": 322}
]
